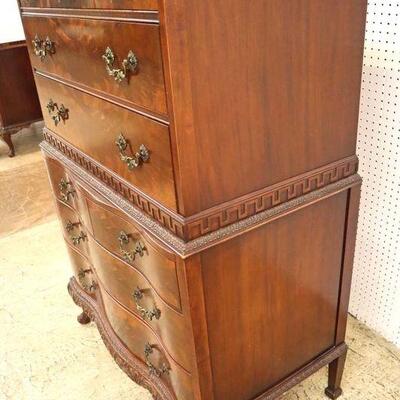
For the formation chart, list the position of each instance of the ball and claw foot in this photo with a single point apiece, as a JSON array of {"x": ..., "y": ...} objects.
[
  {"x": 83, "y": 318},
  {"x": 333, "y": 393}
]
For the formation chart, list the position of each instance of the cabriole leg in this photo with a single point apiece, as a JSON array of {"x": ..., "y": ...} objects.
[{"x": 6, "y": 136}]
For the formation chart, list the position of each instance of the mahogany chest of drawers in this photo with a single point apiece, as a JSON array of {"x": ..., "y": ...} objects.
[{"x": 202, "y": 157}]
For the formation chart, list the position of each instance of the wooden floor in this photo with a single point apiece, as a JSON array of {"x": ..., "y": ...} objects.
[{"x": 46, "y": 355}]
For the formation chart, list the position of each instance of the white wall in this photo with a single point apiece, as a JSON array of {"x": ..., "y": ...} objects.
[
  {"x": 10, "y": 22},
  {"x": 375, "y": 297}
]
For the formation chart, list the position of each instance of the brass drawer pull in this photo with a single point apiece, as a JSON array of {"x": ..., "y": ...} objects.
[
  {"x": 76, "y": 240},
  {"x": 41, "y": 48},
  {"x": 141, "y": 156},
  {"x": 146, "y": 314},
  {"x": 70, "y": 226},
  {"x": 128, "y": 64},
  {"x": 66, "y": 190},
  {"x": 81, "y": 277},
  {"x": 130, "y": 255},
  {"x": 164, "y": 369},
  {"x": 61, "y": 113}
]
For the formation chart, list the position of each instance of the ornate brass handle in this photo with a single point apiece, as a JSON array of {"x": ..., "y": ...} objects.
[
  {"x": 130, "y": 63},
  {"x": 61, "y": 113},
  {"x": 146, "y": 314},
  {"x": 70, "y": 226},
  {"x": 130, "y": 255},
  {"x": 81, "y": 276},
  {"x": 42, "y": 48},
  {"x": 164, "y": 369},
  {"x": 76, "y": 240},
  {"x": 66, "y": 190},
  {"x": 141, "y": 156}
]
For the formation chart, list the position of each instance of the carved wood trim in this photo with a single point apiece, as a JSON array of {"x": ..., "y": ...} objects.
[
  {"x": 272, "y": 196},
  {"x": 299, "y": 376},
  {"x": 173, "y": 222},
  {"x": 17, "y": 127},
  {"x": 137, "y": 370},
  {"x": 131, "y": 365},
  {"x": 187, "y": 248},
  {"x": 223, "y": 215}
]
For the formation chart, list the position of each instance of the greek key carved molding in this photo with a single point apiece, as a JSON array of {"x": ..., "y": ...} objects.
[
  {"x": 269, "y": 197},
  {"x": 170, "y": 220},
  {"x": 191, "y": 232},
  {"x": 188, "y": 248},
  {"x": 304, "y": 373}
]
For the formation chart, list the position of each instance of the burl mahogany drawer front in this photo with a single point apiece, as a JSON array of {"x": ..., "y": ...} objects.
[
  {"x": 144, "y": 344},
  {"x": 73, "y": 229},
  {"x": 137, "y": 294},
  {"x": 125, "y": 240},
  {"x": 106, "y": 4},
  {"x": 142, "y": 155},
  {"x": 77, "y": 51},
  {"x": 82, "y": 269}
]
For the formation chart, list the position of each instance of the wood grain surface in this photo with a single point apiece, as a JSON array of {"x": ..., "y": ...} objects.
[{"x": 80, "y": 44}]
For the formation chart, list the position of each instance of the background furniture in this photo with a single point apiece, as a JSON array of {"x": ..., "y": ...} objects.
[
  {"x": 19, "y": 103},
  {"x": 203, "y": 162}
]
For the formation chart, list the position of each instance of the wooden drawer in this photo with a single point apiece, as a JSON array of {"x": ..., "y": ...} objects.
[
  {"x": 136, "y": 335},
  {"x": 79, "y": 45},
  {"x": 74, "y": 231},
  {"x": 137, "y": 294},
  {"x": 106, "y": 4},
  {"x": 157, "y": 265},
  {"x": 65, "y": 188},
  {"x": 82, "y": 268},
  {"x": 94, "y": 125},
  {"x": 61, "y": 183}
]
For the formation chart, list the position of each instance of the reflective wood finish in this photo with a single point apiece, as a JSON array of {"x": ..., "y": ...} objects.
[
  {"x": 19, "y": 103},
  {"x": 73, "y": 228},
  {"x": 79, "y": 46},
  {"x": 239, "y": 226},
  {"x": 107, "y": 4},
  {"x": 136, "y": 335},
  {"x": 263, "y": 91},
  {"x": 121, "y": 281},
  {"x": 156, "y": 264},
  {"x": 279, "y": 290},
  {"x": 93, "y": 126}
]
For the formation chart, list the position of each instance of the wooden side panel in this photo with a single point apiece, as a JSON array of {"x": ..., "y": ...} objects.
[
  {"x": 272, "y": 298},
  {"x": 263, "y": 91},
  {"x": 348, "y": 258},
  {"x": 19, "y": 101},
  {"x": 107, "y": 4}
]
